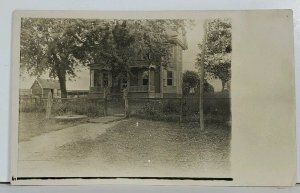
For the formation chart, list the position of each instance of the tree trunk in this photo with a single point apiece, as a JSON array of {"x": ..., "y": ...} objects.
[
  {"x": 126, "y": 106},
  {"x": 223, "y": 85},
  {"x": 62, "y": 83},
  {"x": 125, "y": 93},
  {"x": 105, "y": 100}
]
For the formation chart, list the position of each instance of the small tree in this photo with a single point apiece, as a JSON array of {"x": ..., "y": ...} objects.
[
  {"x": 191, "y": 79},
  {"x": 217, "y": 59}
]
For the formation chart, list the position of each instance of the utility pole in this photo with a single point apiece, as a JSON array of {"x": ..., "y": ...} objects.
[{"x": 201, "y": 75}]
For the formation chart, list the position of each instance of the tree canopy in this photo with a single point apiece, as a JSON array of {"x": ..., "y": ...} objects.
[
  {"x": 217, "y": 55},
  {"x": 60, "y": 46},
  {"x": 118, "y": 44},
  {"x": 50, "y": 46}
]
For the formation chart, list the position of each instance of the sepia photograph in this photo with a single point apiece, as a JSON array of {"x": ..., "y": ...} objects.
[
  {"x": 146, "y": 97},
  {"x": 138, "y": 98}
]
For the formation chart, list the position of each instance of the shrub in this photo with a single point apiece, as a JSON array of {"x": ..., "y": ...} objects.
[
  {"x": 31, "y": 105},
  {"x": 171, "y": 106},
  {"x": 158, "y": 111},
  {"x": 215, "y": 109},
  {"x": 82, "y": 107}
]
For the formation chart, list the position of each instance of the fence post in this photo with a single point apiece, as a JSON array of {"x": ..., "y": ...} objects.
[
  {"x": 181, "y": 109},
  {"x": 105, "y": 101},
  {"x": 49, "y": 105},
  {"x": 125, "y": 97}
]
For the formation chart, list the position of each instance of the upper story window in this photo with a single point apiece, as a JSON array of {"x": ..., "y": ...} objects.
[
  {"x": 169, "y": 78},
  {"x": 173, "y": 55}
]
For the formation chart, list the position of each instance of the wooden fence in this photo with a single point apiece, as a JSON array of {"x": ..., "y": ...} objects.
[{"x": 216, "y": 108}]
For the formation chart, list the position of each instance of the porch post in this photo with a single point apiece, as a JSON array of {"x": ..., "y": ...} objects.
[
  {"x": 128, "y": 81},
  {"x": 149, "y": 78}
]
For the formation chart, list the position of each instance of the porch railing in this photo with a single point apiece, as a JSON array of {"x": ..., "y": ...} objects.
[{"x": 143, "y": 88}]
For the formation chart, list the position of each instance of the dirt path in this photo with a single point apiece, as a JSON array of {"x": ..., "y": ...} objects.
[{"x": 42, "y": 150}]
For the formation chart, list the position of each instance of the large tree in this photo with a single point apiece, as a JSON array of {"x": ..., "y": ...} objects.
[
  {"x": 48, "y": 46},
  {"x": 217, "y": 51}
]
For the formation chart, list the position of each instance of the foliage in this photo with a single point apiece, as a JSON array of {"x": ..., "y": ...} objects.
[
  {"x": 217, "y": 50},
  {"x": 190, "y": 80},
  {"x": 31, "y": 105},
  {"x": 162, "y": 110},
  {"x": 91, "y": 108},
  {"x": 118, "y": 44},
  {"x": 215, "y": 109},
  {"x": 48, "y": 46},
  {"x": 59, "y": 46}
]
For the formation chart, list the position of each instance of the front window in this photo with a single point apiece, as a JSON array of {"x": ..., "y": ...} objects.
[
  {"x": 123, "y": 83},
  {"x": 134, "y": 80},
  {"x": 145, "y": 78},
  {"x": 96, "y": 78},
  {"x": 170, "y": 78},
  {"x": 105, "y": 79}
]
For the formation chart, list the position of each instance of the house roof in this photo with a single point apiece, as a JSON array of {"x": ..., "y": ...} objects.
[
  {"x": 178, "y": 37},
  {"x": 48, "y": 83}
]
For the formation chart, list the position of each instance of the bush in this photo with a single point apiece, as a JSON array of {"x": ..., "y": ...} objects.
[
  {"x": 171, "y": 106},
  {"x": 215, "y": 109},
  {"x": 160, "y": 110},
  {"x": 31, "y": 108},
  {"x": 81, "y": 107},
  {"x": 31, "y": 105}
]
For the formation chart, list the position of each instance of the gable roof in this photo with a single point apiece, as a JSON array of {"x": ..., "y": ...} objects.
[{"x": 48, "y": 83}]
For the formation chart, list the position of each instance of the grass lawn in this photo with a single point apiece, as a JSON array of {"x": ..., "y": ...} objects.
[
  {"x": 140, "y": 144},
  {"x": 34, "y": 124}
]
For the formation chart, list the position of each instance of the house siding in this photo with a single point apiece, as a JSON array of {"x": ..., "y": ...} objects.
[
  {"x": 45, "y": 92},
  {"x": 157, "y": 79},
  {"x": 36, "y": 89}
]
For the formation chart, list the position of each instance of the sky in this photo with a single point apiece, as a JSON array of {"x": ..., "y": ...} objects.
[{"x": 194, "y": 37}]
